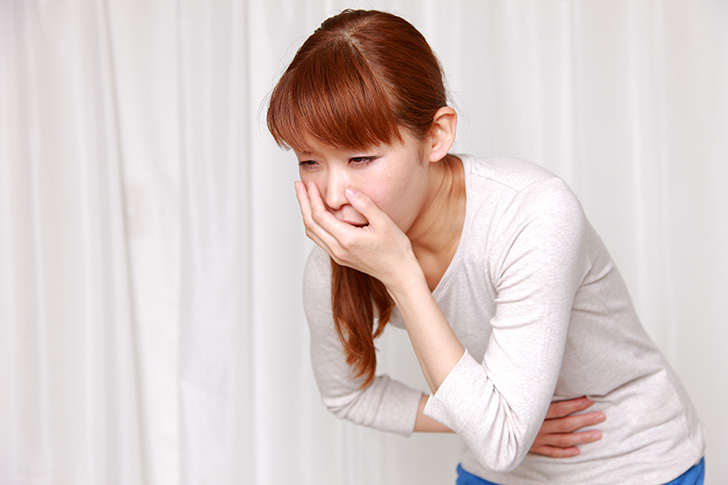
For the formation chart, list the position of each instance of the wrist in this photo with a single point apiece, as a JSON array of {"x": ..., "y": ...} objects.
[{"x": 406, "y": 282}]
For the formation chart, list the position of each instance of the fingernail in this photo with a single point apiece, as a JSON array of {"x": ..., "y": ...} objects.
[
  {"x": 351, "y": 193},
  {"x": 597, "y": 435}
]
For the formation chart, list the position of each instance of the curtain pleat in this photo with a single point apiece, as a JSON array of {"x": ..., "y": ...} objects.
[
  {"x": 215, "y": 351},
  {"x": 69, "y": 407}
]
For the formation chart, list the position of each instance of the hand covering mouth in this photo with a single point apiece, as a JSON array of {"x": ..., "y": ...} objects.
[{"x": 351, "y": 217}]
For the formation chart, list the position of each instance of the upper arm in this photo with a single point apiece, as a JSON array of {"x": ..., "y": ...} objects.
[
  {"x": 537, "y": 261},
  {"x": 543, "y": 260}
]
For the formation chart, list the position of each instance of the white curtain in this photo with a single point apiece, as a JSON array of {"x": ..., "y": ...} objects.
[{"x": 151, "y": 252}]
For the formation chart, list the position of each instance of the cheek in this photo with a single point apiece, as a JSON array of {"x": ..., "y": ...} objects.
[
  {"x": 393, "y": 201},
  {"x": 406, "y": 198},
  {"x": 312, "y": 177},
  {"x": 304, "y": 176}
]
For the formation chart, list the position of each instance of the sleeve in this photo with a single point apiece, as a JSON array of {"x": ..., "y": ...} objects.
[
  {"x": 385, "y": 404},
  {"x": 537, "y": 262}
]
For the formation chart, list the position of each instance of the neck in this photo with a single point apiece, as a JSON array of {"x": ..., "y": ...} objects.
[{"x": 436, "y": 231}]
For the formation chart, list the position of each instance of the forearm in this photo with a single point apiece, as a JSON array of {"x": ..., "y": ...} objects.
[{"x": 436, "y": 346}]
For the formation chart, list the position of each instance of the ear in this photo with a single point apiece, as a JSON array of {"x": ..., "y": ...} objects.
[{"x": 442, "y": 133}]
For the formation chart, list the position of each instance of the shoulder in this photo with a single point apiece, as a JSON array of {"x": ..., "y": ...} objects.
[
  {"x": 512, "y": 189},
  {"x": 510, "y": 173},
  {"x": 529, "y": 213}
]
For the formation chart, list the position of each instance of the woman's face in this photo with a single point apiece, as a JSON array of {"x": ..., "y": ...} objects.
[{"x": 394, "y": 176}]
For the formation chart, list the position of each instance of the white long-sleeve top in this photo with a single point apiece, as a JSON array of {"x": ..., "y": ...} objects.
[{"x": 535, "y": 299}]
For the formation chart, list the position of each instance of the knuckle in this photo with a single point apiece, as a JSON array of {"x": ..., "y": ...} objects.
[
  {"x": 346, "y": 241},
  {"x": 338, "y": 256},
  {"x": 337, "y": 252},
  {"x": 559, "y": 453},
  {"x": 567, "y": 427},
  {"x": 562, "y": 441},
  {"x": 571, "y": 440}
]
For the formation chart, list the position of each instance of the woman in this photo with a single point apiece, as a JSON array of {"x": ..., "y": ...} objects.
[{"x": 509, "y": 297}]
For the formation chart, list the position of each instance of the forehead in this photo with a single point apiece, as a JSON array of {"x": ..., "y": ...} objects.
[
  {"x": 310, "y": 145},
  {"x": 324, "y": 150}
]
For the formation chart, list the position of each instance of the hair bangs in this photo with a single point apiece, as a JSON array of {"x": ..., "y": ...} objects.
[{"x": 332, "y": 97}]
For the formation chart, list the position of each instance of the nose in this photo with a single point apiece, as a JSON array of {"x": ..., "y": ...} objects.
[{"x": 334, "y": 192}]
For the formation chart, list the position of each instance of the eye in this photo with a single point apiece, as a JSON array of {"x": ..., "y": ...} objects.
[
  {"x": 308, "y": 164},
  {"x": 362, "y": 160}
]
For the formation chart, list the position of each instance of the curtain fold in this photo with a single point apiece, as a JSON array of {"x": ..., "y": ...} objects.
[
  {"x": 215, "y": 354},
  {"x": 69, "y": 404},
  {"x": 151, "y": 249}
]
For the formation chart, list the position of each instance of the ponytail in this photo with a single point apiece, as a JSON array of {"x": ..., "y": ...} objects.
[{"x": 354, "y": 298}]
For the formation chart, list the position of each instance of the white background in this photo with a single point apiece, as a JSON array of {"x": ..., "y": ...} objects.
[{"x": 151, "y": 251}]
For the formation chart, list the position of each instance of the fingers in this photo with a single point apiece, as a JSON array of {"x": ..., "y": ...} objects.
[
  {"x": 364, "y": 205},
  {"x": 555, "y": 452},
  {"x": 570, "y": 424},
  {"x": 325, "y": 219},
  {"x": 313, "y": 230},
  {"x": 560, "y": 409},
  {"x": 567, "y": 440},
  {"x": 564, "y": 445},
  {"x": 558, "y": 438},
  {"x": 323, "y": 228},
  {"x": 319, "y": 214}
]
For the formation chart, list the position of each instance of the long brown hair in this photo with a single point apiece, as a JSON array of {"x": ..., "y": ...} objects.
[{"x": 359, "y": 79}]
